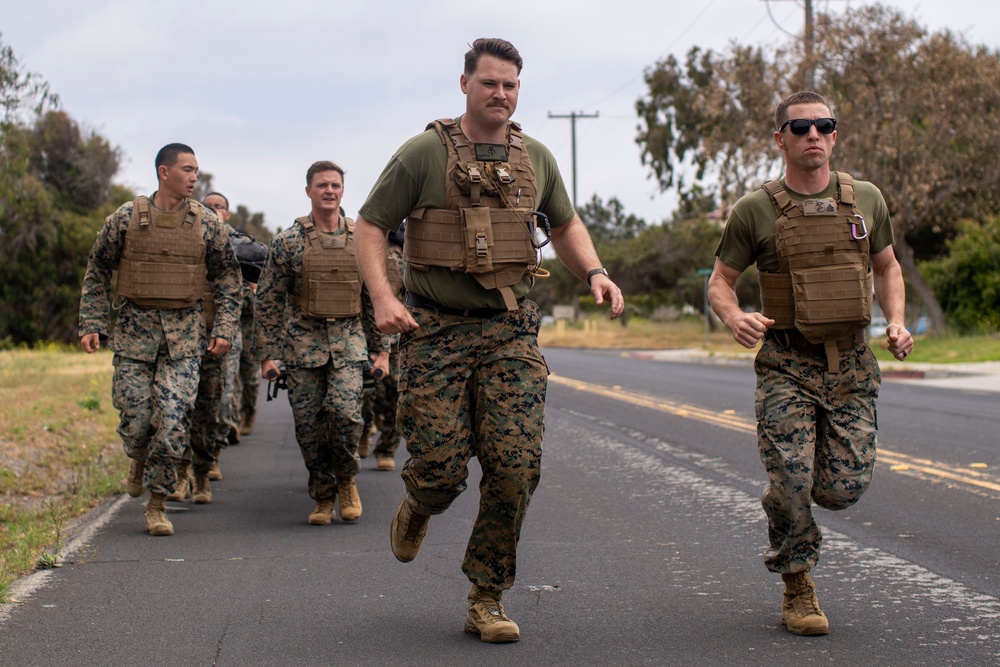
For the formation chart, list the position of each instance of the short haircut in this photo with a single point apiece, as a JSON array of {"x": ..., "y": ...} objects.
[
  {"x": 216, "y": 194},
  {"x": 801, "y": 97},
  {"x": 168, "y": 155},
  {"x": 491, "y": 46},
  {"x": 322, "y": 165}
]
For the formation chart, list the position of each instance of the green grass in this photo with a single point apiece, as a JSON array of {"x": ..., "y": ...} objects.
[
  {"x": 947, "y": 350},
  {"x": 59, "y": 454}
]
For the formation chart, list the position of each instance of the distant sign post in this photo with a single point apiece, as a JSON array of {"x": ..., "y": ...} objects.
[{"x": 705, "y": 273}]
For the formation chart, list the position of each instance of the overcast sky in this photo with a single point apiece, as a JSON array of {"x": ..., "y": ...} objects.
[{"x": 261, "y": 89}]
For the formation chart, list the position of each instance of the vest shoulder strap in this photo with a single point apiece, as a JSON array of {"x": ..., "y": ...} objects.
[
  {"x": 194, "y": 212},
  {"x": 140, "y": 207},
  {"x": 845, "y": 184},
  {"x": 312, "y": 236},
  {"x": 781, "y": 200},
  {"x": 439, "y": 124}
]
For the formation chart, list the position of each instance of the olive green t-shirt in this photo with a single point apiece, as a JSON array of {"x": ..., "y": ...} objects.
[
  {"x": 749, "y": 233},
  {"x": 415, "y": 178}
]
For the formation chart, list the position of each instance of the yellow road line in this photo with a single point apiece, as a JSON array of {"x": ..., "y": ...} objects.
[{"x": 732, "y": 422}]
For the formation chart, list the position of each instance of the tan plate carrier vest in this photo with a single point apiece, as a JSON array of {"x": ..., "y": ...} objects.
[
  {"x": 163, "y": 261},
  {"x": 485, "y": 228},
  {"x": 824, "y": 284},
  {"x": 331, "y": 282}
]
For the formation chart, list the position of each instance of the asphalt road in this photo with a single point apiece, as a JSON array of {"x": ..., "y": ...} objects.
[{"x": 643, "y": 546}]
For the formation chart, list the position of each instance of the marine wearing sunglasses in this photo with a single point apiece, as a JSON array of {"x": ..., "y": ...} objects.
[{"x": 800, "y": 126}]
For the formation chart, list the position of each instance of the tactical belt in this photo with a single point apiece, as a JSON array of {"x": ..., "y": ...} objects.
[
  {"x": 788, "y": 339},
  {"x": 418, "y": 301}
]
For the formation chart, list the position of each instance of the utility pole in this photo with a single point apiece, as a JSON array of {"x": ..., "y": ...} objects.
[
  {"x": 573, "y": 115},
  {"x": 808, "y": 77},
  {"x": 808, "y": 45}
]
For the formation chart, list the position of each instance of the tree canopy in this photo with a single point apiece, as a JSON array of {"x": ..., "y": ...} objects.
[{"x": 918, "y": 115}]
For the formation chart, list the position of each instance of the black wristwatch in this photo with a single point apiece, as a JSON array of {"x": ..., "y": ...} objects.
[{"x": 594, "y": 272}]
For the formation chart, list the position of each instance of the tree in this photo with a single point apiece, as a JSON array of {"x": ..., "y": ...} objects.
[
  {"x": 20, "y": 90},
  {"x": 918, "y": 115},
  {"x": 242, "y": 218},
  {"x": 702, "y": 122},
  {"x": 77, "y": 166},
  {"x": 55, "y": 186},
  {"x": 609, "y": 223},
  {"x": 922, "y": 119},
  {"x": 967, "y": 280}
]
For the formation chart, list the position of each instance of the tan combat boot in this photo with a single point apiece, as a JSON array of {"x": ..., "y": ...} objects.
[
  {"x": 350, "y": 501},
  {"x": 487, "y": 619},
  {"x": 202, "y": 489},
  {"x": 183, "y": 489},
  {"x": 215, "y": 474},
  {"x": 246, "y": 424},
  {"x": 322, "y": 514},
  {"x": 157, "y": 522},
  {"x": 800, "y": 611},
  {"x": 133, "y": 483},
  {"x": 365, "y": 442},
  {"x": 384, "y": 462},
  {"x": 407, "y": 532}
]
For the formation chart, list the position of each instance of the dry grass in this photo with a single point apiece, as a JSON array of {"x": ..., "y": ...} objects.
[
  {"x": 59, "y": 454},
  {"x": 600, "y": 332}
]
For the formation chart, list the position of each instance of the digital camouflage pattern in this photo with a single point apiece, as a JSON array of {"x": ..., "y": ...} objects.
[
  {"x": 154, "y": 400},
  {"x": 232, "y": 389},
  {"x": 323, "y": 362},
  {"x": 282, "y": 332},
  {"x": 816, "y": 436},
  {"x": 326, "y": 407},
  {"x": 384, "y": 405},
  {"x": 157, "y": 352},
  {"x": 140, "y": 331},
  {"x": 205, "y": 418},
  {"x": 386, "y": 393},
  {"x": 247, "y": 376},
  {"x": 475, "y": 387}
]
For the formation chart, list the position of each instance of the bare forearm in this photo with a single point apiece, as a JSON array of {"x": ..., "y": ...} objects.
[
  {"x": 890, "y": 290},
  {"x": 372, "y": 249},
  {"x": 722, "y": 298},
  {"x": 575, "y": 248}
]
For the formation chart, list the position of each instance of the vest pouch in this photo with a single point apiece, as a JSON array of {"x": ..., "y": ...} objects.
[
  {"x": 331, "y": 298},
  {"x": 831, "y": 302},
  {"x": 477, "y": 227},
  {"x": 776, "y": 299}
]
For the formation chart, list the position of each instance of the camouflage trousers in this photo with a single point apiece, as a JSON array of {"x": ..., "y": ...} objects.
[
  {"x": 326, "y": 407},
  {"x": 154, "y": 400},
  {"x": 205, "y": 417},
  {"x": 384, "y": 408},
  {"x": 475, "y": 387},
  {"x": 229, "y": 398},
  {"x": 816, "y": 436},
  {"x": 246, "y": 387}
]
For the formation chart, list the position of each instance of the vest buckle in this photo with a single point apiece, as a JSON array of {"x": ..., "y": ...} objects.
[
  {"x": 482, "y": 244},
  {"x": 474, "y": 175},
  {"x": 503, "y": 176}
]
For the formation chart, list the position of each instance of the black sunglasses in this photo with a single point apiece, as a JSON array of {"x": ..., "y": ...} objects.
[{"x": 800, "y": 126}]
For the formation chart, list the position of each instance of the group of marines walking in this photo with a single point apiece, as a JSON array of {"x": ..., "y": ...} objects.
[{"x": 453, "y": 330}]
